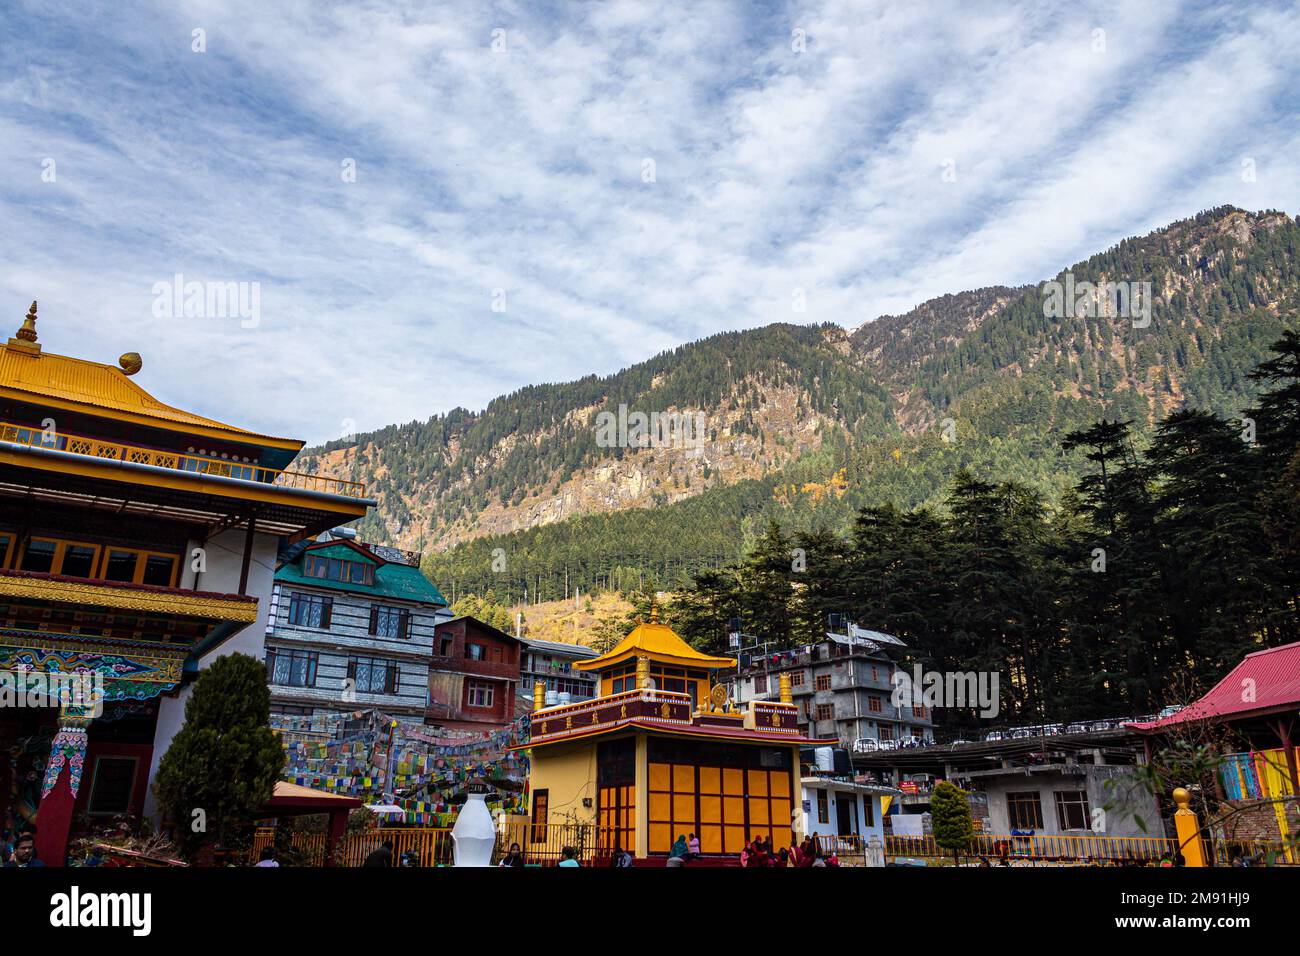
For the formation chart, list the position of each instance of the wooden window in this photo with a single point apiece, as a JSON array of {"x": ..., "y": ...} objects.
[
  {"x": 869, "y": 809},
  {"x": 1024, "y": 810},
  {"x": 823, "y": 807},
  {"x": 823, "y": 682},
  {"x": 1072, "y": 810},
  {"x": 541, "y": 801},
  {"x": 310, "y": 610},
  {"x": 291, "y": 668},
  {"x": 336, "y": 569},
  {"x": 474, "y": 652},
  {"x": 825, "y": 712},
  {"x": 873, "y": 705},
  {"x": 796, "y": 679},
  {"x": 75, "y": 559},
  {"x": 393, "y": 622},
  {"x": 6, "y": 545},
  {"x": 40, "y": 555},
  {"x": 760, "y": 684},
  {"x": 480, "y": 694},
  {"x": 139, "y": 567}
]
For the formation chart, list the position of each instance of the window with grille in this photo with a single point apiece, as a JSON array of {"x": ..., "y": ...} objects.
[
  {"x": 310, "y": 610},
  {"x": 291, "y": 668},
  {"x": 391, "y": 622},
  {"x": 823, "y": 682},
  {"x": 372, "y": 675},
  {"x": 825, "y": 712},
  {"x": 1024, "y": 810}
]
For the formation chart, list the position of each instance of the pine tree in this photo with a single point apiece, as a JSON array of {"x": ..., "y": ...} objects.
[
  {"x": 222, "y": 765},
  {"x": 951, "y": 818}
]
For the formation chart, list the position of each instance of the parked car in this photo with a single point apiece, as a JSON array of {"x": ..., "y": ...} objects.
[
  {"x": 995, "y": 735},
  {"x": 866, "y": 745},
  {"x": 1020, "y": 733},
  {"x": 910, "y": 741},
  {"x": 887, "y": 744},
  {"x": 1078, "y": 727}
]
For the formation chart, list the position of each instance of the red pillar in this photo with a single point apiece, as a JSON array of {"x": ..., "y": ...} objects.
[
  {"x": 338, "y": 826},
  {"x": 59, "y": 795}
]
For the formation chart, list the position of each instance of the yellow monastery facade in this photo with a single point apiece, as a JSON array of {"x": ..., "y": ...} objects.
[{"x": 662, "y": 753}]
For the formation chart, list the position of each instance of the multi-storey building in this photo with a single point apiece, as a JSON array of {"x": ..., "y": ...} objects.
[
  {"x": 350, "y": 630},
  {"x": 843, "y": 687},
  {"x": 136, "y": 542},
  {"x": 473, "y": 675},
  {"x": 551, "y": 663}
]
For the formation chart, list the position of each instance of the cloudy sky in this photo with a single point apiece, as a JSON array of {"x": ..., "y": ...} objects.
[{"x": 442, "y": 202}]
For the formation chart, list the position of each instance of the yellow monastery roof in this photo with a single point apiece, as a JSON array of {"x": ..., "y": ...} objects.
[
  {"x": 29, "y": 374},
  {"x": 657, "y": 642}
]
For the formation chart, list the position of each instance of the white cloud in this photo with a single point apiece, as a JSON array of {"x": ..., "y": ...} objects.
[{"x": 522, "y": 171}]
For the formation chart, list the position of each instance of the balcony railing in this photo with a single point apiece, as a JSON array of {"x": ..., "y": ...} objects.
[{"x": 195, "y": 464}]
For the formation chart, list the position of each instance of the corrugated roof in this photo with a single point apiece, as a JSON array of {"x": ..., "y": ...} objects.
[
  {"x": 1264, "y": 681},
  {"x": 560, "y": 647},
  {"x": 45, "y": 375},
  {"x": 658, "y": 642}
]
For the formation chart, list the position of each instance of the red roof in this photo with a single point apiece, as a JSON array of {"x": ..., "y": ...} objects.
[{"x": 1264, "y": 682}]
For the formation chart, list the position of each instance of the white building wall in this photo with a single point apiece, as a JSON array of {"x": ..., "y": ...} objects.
[{"x": 223, "y": 561}]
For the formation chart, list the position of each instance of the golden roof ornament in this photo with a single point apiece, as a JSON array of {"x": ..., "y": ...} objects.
[
  {"x": 130, "y": 362},
  {"x": 654, "y": 611},
  {"x": 25, "y": 337}
]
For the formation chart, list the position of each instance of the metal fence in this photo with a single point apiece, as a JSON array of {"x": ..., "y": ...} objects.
[{"x": 1083, "y": 848}]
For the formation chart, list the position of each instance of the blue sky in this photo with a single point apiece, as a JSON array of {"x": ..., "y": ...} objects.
[{"x": 778, "y": 173}]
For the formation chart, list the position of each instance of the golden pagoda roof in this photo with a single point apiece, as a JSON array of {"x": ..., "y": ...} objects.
[
  {"x": 27, "y": 373},
  {"x": 659, "y": 642}
]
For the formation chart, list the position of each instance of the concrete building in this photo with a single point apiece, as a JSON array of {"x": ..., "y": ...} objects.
[
  {"x": 350, "y": 630},
  {"x": 1046, "y": 786},
  {"x": 843, "y": 808},
  {"x": 842, "y": 686},
  {"x": 551, "y": 663}
]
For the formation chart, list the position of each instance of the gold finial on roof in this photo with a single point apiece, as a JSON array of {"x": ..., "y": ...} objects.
[
  {"x": 131, "y": 362},
  {"x": 654, "y": 611},
  {"x": 25, "y": 337},
  {"x": 28, "y": 331}
]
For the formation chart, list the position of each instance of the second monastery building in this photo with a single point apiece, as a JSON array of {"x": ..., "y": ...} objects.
[{"x": 662, "y": 752}]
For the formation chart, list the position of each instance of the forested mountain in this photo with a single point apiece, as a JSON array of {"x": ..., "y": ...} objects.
[
  {"x": 1160, "y": 569},
  {"x": 806, "y": 425}
]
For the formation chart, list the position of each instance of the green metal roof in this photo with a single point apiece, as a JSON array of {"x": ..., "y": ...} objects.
[{"x": 399, "y": 581}]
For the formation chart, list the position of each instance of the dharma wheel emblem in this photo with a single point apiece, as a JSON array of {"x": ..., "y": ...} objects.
[{"x": 719, "y": 696}]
